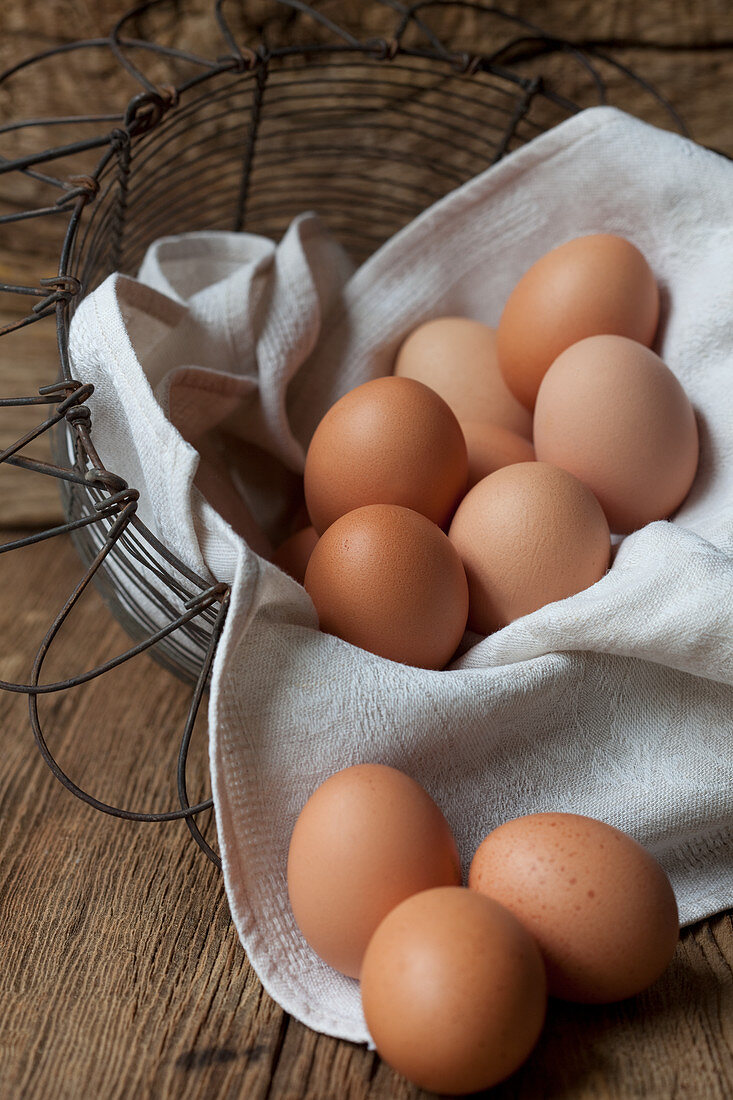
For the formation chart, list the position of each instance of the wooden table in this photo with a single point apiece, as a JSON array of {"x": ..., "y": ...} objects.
[{"x": 123, "y": 976}]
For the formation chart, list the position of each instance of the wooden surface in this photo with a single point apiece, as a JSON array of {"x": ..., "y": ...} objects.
[
  {"x": 685, "y": 49},
  {"x": 122, "y": 974}
]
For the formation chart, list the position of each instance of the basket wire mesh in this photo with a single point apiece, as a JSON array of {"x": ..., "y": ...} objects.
[{"x": 367, "y": 130}]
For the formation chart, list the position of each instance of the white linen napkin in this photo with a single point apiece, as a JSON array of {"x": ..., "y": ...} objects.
[{"x": 617, "y": 702}]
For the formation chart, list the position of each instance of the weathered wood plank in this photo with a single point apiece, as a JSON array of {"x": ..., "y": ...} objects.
[
  {"x": 122, "y": 974},
  {"x": 28, "y": 359},
  {"x": 686, "y": 50}
]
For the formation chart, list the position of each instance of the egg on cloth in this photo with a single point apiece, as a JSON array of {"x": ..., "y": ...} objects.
[
  {"x": 388, "y": 441},
  {"x": 598, "y": 904},
  {"x": 366, "y": 839},
  {"x": 490, "y": 447},
  {"x": 454, "y": 990},
  {"x": 527, "y": 535},
  {"x": 457, "y": 358},
  {"x": 387, "y": 579},
  {"x": 591, "y": 285},
  {"x": 293, "y": 555},
  {"x": 612, "y": 413}
]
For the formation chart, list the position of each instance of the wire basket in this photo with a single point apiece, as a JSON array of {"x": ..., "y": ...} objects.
[{"x": 366, "y": 123}]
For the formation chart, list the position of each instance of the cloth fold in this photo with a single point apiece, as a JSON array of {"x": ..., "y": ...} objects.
[{"x": 211, "y": 371}]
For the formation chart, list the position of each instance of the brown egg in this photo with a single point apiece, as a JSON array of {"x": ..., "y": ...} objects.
[
  {"x": 491, "y": 447},
  {"x": 599, "y": 905},
  {"x": 293, "y": 555},
  {"x": 387, "y": 579},
  {"x": 368, "y": 838},
  {"x": 613, "y": 414},
  {"x": 389, "y": 441},
  {"x": 454, "y": 992},
  {"x": 588, "y": 286},
  {"x": 527, "y": 535},
  {"x": 457, "y": 358}
]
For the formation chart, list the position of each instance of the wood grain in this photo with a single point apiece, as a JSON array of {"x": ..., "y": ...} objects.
[
  {"x": 122, "y": 974},
  {"x": 685, "y": 49}
]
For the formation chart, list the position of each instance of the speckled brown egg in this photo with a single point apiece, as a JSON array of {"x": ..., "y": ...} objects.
[
  {"x": 599, "y": 905},
  {"x": 491, "y": 447},
  {"x": 293, "y": 555},
  {"x": 590, "y": 285},
  {"x": 612, "y": 413},
  {"x": 366, "y": 839},
  {"x": 387, "y": 579},
  {"x": 527, "y": 535},
  {"x": 389, "y": 441},
  {"x": 454, "y": 991},
  {"x": 457, "y": 358}
]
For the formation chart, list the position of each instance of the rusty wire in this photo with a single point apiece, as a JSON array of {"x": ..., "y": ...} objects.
[{"x": 269, "y": 117}]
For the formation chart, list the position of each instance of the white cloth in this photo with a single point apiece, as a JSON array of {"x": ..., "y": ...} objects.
[{"x": 617, "y": 703}]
